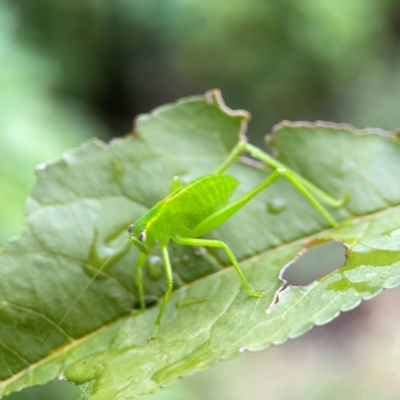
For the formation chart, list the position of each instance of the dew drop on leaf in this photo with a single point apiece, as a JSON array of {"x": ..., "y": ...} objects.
[
  {"x": 276, "y": 206},
  {"x": 153, "y": 267}
]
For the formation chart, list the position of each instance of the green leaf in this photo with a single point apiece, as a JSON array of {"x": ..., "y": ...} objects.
[{"x": 77, "y": 217}]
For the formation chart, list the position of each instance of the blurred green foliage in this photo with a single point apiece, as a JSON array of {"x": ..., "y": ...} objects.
[
  {"x": 282, "y": 60},
  {"x": 34, "y": 125},
  {"x": 79, "y": 68}
]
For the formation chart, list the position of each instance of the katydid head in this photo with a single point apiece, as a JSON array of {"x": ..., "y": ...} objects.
[{"x": 141, "y": 238}]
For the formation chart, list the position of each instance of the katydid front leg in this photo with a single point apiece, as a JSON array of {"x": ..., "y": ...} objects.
[
  {"x": 232, "y": 258},
  {"x": 169, "y": 281},
  {"x": 139, "y": 279},
  {"x": 220, "y": 216},
  {"x": 175, "y": 184}
]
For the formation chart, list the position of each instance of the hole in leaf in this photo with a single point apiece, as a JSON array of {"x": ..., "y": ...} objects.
[{"x": 319, "y": 258}]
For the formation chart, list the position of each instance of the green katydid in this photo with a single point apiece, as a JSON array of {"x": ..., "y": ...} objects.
[{"x": 202, "y": 205}]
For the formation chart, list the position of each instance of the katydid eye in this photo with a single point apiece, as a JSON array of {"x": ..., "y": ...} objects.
[
  {"x": 130, "y": 228},
  {"x": 142, "y": 236}
]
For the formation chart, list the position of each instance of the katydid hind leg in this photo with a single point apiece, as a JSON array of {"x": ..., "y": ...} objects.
[
  {"x": 232, "y": 156},
  {"x": 220, "y": 216},
  {"x": 276, "y": 164},
  {"x": 169, "y": 282},
  {"x": 222, "y": 245}
]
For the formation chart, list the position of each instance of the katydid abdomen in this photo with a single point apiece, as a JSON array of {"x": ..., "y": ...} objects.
[{"x": 183, "y": 210}]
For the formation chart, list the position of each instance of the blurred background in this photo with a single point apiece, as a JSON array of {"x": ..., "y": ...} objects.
[{"x": 70, "y": 70}]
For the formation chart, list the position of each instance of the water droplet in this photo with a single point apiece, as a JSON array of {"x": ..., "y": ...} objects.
[
  {"x": 190, "y": 302},
  {"x": 185, "y": 258},
  {"x": 154, "y": 267},
  {"x": 276, "y": 206}
]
